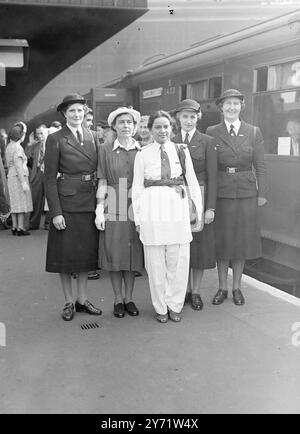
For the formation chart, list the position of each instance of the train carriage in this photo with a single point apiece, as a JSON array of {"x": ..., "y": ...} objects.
[{"x": 263, "y": 61}]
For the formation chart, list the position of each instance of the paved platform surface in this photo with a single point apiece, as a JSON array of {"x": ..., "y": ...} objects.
[{"x": 224, "y": 359}]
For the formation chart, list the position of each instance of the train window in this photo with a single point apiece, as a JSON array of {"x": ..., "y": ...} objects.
[
  {"x": 278, "y": 115},
  {"x": 205, "y": 89},
  {"x": 183, "y": 90},
  {"x": 275, "y": 77},
  {"x": 215, "y": 87},
  {"x": 261, "y": 79},
  {"x": 198, "y": 90}
]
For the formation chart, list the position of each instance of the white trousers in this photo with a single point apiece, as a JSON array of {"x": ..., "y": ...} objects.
[{"x": 168, "y": 271}]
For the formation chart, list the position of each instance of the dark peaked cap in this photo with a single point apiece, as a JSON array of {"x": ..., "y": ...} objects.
[
  {"x": 72, "y": 98},
  {"x": 230, "y": 93}
]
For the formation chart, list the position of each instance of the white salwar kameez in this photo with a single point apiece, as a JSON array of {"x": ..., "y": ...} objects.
[{"x": 165, "y": 231}]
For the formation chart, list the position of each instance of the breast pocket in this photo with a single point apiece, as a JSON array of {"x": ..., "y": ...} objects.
[{"x": 197, "y": 153}]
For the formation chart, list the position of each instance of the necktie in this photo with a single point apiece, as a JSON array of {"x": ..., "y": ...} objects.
[
  {"x": 186, "y": 140},
  {"x": 79, "y": 137},
  {"x": 165, "y": 164},
  {"x": 41, "y": 157},
  {"x": 232, "y": 132}
]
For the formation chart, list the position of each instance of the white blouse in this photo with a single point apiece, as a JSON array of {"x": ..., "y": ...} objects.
[{"x": 161, "y": 212}]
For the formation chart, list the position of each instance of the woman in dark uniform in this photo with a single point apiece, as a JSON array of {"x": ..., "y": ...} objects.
[
  {"x": 240, "y": 153},
  {"x": 70, "y": 178},
  {"x": 204, "y": 157},
  {"x": 121, "y": 252}
]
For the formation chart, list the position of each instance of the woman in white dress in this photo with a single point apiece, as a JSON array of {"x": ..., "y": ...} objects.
[
  {"x": 17, "y": 179},
  {"x": 161, "y": 214}
]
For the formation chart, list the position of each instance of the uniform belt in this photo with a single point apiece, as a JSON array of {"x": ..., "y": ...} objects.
[
  {"x": 233, "y": 170},
  {"x": 84, "y": 178}
]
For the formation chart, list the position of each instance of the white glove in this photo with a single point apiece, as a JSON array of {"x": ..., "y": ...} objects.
[{"x": 100, "y": 219}]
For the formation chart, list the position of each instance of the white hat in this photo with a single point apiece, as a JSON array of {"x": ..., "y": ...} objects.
[{"x": 121, "y": 111}]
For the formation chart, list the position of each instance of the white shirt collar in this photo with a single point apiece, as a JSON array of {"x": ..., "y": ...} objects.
[
  {"x": 236, "y": 125},
  {"x": 190, "y": 133},
  {"x": 74, "y": 130},
  {"x": 134, "y": 145}
]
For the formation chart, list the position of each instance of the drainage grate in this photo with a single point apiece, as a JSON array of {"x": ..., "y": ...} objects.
[{"x": 90, "y": 326}]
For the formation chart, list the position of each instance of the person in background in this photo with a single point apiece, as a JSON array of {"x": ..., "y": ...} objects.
[
  {"x": 293, "y": 129},
  {"x": 70, "y": 179},
  {"x": 104, "y": 132},
  {"x": 17, "y": 179},
  {"x": 121, "y": 252},
  {"x": 161, "y": 214},
  {"x": 88, "y": 123},
  {"x": 203, "y": 152},
  {"x": 4, "y": 199},
  {"x": 143, "y": 135},
  {"x": 55, "y": 126},
  {"x": 3, "y": 142},
  {"x": 240, "y": 148},
  {"x": 35, "y": 152},
  {"x": 88, "y": 119}
]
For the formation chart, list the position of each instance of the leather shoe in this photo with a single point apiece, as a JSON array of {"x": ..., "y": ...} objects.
[
  {"x": 93, "y": 275},
  {"x": 68, "y": 312},
  {"x": 87, "y": 307},
  {"x": 196, "y": 302},
  {"x": 220, "y": 296},
  {"x": 238, "y": 297},
  {"x": 119, "y": 310},
  {"x": 131, "y": 308},
  {"x": 174, "y": 316}
]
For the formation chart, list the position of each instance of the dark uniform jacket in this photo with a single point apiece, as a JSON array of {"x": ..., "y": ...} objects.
[
  {"x": 33, "y": 153},
  {"x": 244, "y": 152},
  {"x": 202, "y": 149},
  {"x": 66, "y": 156}
]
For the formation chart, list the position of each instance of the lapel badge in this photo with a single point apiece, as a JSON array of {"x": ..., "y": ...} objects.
[{"x": 241, "y": 135}]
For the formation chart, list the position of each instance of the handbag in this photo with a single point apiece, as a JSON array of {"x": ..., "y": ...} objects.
[{"x": 194, "y": 218}]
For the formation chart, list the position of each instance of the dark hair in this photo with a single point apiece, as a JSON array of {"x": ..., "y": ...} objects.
[
  {"x": 16, "y": 132},
  {"x": 158, "y": 114}
]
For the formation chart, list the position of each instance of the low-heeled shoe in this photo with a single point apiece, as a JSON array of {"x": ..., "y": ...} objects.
[
  {"x": 238, "y": 297},
  {"x": 162, "y": 318},
  {"x": 220, "y": 296},
  {"x": 87, "y": 307},
  {"x": 174, "y": 316},
  {"x": 68, "y": 312},
  {"x": 21, "y": 232},
  {"x": 119, "y": 310},
  {"x": 196, "y": 302},
  {"x": 131, "y": 308},
  {"x": 93, "y": 275}
]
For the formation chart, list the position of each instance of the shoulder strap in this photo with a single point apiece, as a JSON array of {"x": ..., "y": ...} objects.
[{"x": 181, "y": 156}]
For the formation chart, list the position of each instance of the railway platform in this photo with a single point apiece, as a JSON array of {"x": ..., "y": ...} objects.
[{"x": 224, "y": 359}]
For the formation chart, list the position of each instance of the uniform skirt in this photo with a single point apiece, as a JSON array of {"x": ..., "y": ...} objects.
[
  {"x": 202, "y": 247},
  {"x": 237, "y": 229},
  {"x": 120, "y": 248},
  {"x": 74, "y": 249}
]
